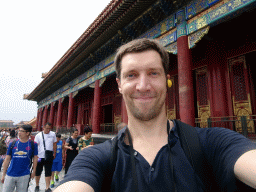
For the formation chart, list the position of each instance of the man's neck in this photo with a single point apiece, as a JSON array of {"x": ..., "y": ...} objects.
[
  {"x": 24, "y": 140},
  {"x": 148, "y": 137},
  {"x": 155, "y": 128}
]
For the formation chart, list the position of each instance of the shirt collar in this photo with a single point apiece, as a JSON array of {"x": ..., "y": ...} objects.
[
  {"x": 121, "y": 133},
  {"x": 174, "y": 129}
]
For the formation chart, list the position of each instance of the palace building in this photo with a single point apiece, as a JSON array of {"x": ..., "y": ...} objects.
[
  {"x": 212, "y": 49},
  {"x": 6, "y": 124}
]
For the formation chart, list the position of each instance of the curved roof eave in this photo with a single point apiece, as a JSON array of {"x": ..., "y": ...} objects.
[
  {"x": 117, "y": 14},
  {"x": 110, "y": 8}
]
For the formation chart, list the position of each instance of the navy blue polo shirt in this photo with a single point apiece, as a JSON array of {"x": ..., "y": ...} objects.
[{"x": 222, "y": 148}]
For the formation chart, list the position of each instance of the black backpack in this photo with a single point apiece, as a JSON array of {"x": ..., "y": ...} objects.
[
  {"x": 192, "y": 147},
  {"x": 3, "y": 147}
]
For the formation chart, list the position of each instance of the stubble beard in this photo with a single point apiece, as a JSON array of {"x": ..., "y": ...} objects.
[{"x": 146, "y": 114}]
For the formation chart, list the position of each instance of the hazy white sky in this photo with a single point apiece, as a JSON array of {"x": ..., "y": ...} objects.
[{"x": 34, "y": 35}]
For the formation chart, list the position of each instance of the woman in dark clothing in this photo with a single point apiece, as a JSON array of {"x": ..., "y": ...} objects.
[{"x": 72, "y": 149}]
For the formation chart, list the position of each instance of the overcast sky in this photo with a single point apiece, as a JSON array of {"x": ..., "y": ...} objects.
[{"x": 34, "y": 35}]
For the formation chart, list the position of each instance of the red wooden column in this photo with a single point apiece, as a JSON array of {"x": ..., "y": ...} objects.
[
  {"x": 79, "y": 119},
  {"x": 40, "y": 119},
  {"x": 45, "y": 115},
  {"x": 37, "y": 119},
  {"x": 59, "y": 114},
  {"x": 96, "y": 108},
  {"x": 124, "y": 112},
  {"x": 55, "y": 117},
  {"x": 186, "y": 92},
  {"x": 79, "y": 115},
  {"x": 52, "y": 113},
  {"x": 70, "y": 111},
  {"x": 217, "y": 72}
]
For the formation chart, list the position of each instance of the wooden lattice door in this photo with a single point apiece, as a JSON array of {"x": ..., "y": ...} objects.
[
  {"x": 203, "y": 104},
  {"x": 240, "y": 92}
]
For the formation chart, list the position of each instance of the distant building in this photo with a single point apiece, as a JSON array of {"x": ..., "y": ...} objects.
[
  {"x": 6, "y": 124},
  {"x": 21, "y": 123},
  {"x": 32, "y": 122}
]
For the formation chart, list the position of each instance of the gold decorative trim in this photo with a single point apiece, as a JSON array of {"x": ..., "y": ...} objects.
[
  {"x": 102, "y": 80},
  {"x": 207, "y": 11},
  {"x": 74, "y": 94},
  {"x": 198, "y": 35},
  {"x": 237, "y": 59},
  {"x": 167, "y": 33},
  {"x": 172, "y": 48}
]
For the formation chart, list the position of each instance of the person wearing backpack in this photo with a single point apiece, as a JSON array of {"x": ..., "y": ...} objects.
[
  {"x": 153, "y": 153},
  {"x": 19, "y": 158}
]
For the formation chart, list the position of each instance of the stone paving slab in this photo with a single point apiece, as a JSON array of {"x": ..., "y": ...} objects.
[{"x": 41, "y": 183}]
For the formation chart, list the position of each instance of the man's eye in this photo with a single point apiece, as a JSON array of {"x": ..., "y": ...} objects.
[
  {"x": 154, "y": 73},
  {"x": 130, "y": 75}
]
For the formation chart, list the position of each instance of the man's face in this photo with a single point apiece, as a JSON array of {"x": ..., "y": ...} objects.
[
  {"x": 143, "y": 84},
  {"x": 47, "y": 129},
  {"x": 22, "y": 133}
]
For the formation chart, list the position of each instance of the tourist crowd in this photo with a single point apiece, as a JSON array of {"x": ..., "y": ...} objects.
[{"x": 23, "y": 158}]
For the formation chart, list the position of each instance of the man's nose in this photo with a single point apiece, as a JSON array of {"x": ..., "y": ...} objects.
[{"x": 143, "y": 83}]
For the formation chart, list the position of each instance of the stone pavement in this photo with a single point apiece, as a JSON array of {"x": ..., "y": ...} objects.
[{"x": 41, "y": 183}]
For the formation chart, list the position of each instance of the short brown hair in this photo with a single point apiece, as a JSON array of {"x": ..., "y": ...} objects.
[
  {"x": 27, "y": 128},
  {"x": 140, "y": 45}
]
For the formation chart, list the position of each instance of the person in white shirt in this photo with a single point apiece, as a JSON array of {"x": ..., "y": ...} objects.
[{"x": 47, "y": 143}]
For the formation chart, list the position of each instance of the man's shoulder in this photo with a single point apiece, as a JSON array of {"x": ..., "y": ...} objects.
[
  {"x": 52, "y": 133},
  {"x": 103, "y": 149},
  {"x": 39, "y": 134},
  {"x": 213, "y": 134},
  {"x": 216, "y": 131},
  {"x": 222, "y": 138}
]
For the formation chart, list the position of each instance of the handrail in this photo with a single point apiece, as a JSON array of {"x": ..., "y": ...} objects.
[
  {"x": 108, "y": 128},
  {"x": 242, "y": 124}
]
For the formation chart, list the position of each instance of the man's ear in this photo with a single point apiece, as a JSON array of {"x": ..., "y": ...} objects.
[{"x": 119, "y": 85}]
